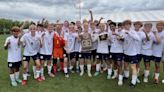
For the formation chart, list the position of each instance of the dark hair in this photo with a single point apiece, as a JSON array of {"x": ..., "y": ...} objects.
[
  {"x": 73, "y": 23},
  {"x": 119, "y": 24},
  {"x": 39, "y": 25},
  {"x": 113, "y": 23}
]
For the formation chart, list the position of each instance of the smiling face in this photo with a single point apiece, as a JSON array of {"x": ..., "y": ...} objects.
[
  {"x": 147, "y": 27},
  {"x": 15, "y": 31},
  {"x": 50, "y": 27},
  {"x": 32, "y": 28},
  {"x": 160, "y": 26}
]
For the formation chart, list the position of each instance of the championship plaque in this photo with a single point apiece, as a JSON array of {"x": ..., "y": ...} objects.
[
  {"x": 86, "y": 42},
  {"x": 103, "y": 37}
]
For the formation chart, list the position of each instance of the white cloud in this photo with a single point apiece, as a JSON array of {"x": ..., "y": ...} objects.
[{"x": 62, "y": 9}]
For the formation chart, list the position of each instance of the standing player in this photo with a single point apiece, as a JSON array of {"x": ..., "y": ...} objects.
[
  {"x": 116, "y": 50},
  {"x": 46, "y": 49},
  {"x": 102, "y": 50},
  {"x": 158, "y": 49},
  {"x": 31, "y": 43},
  {"x": 130, "y": 50},
  {"x": 85, "y": 50},
  {"x": 70, "y": 38},
  {"x": 147, "y": 48},
  {"x": 12, "y": 44},
  {"x": 58, "y": 46}
]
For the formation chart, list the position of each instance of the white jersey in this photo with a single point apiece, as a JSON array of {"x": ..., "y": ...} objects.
[
  {"x": 32, "y": 44},
  {"x": 77, "y": 45},
  {"x": 139, "y": 42},
  {"x": 109, "y": 32},
  {"x": 14, "y": 51},
  {"x": 70, "y": 39},
  {"x": 158, "y": 48},
  {"x": 116, "y": 44},
  {"x": 103, "y": 44},
  {"x": 130, "y": 42},
  {"x": 47, "y": 43},
  {"x": 147, "y": 46},
  {"x": 94, "y": 36}
]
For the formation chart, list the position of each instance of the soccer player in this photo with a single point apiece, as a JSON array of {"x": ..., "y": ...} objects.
[
  {"x": 130, "y": 50},
  {"x": 102, "y": 50},
  {"x": 58, "y": 46},
  {"x": 147, "y": 48},
  {"x": 46, "y": 49},
  {"x": 137, "y": 28},
  {"x": 116, "y": 50},
  {"x": 158, "y": 49},
  {"x": 12, "y": 44},
  {"x": 31, "y": 43},
  {"x": 85, "y": 50}
]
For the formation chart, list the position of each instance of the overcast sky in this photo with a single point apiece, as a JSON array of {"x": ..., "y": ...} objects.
[{"x": 67, "y": 9}]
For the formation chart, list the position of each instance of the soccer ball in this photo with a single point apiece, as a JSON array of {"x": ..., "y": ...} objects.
[{"x": 163, "y": 81}]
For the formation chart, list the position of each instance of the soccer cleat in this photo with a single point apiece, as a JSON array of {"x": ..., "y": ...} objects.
[
  {"x": 89, "y": 74},
  {"x": 145, "y": 80},
  {"x": 43, "y": 78},
  {"x": 132, "y": 85},
  {"x": 24, "y": 82},
  {"x": 66, "y": 75},
  {"x": 96, "y": 73},
  {"x": 19, "y": 81},
  {"x": 14, "y": 83},
  {"x": 114, "y": 76},
  {"x": 108, "y": 76},
  {"x": 51, "y": 75},
  {"x": 120, "y": 82},
  {"x": 156, "y": 81},
  {"x": 138, "y": 81},
  {"x": 39, "y": 79},
  {"x": 81, "y": 73}
]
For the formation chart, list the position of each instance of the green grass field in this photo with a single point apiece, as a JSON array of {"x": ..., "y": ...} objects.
[{"x": 73, "y": 84}]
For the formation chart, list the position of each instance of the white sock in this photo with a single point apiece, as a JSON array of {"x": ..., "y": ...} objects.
[
  {"x": 25, "y": 76},
  {"x": 120, "y": 77},
  {"x": 134, "y": 79},
  {"x": 65, "y": 70},
  {"x": 126, "y": 73},
  {"x": 17, "y": 75},
  {"x": 110, "y": 71},
  {"x": 12, "y": 77},
  {"x": 49, "y": 69},
  {"x": 37, "y": 73},
  {"x": 98, "y": 67},
  {"x": 146, "y": 73},
  {"x": 82, "y": 68},
  {"x": 34, "y": 69},
  {"x": 42, "y": 71},
  {"x": 156, "y": 75},
  {"x": 89, "y": 68},
  {"x": 115, "y": 72},
  {"x": 77, "y": 65}
]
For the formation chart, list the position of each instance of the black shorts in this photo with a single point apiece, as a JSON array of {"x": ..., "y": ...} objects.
[
  {"x": 102, "y": 56},
  {"x": 94, "y": 53},
  {"x": 34, "y": 57},
  {"x": 156, "y": 59},
  {"x": 146, "y": 58},
  {"x": 131, "y": 59},
  {"x": 117, "y": 56},
  {"x": 74, "y": 55},
  {"x": 65, "y": 55},
  {"x": 139, "y": 56},
  {"x": 14, "y": 64},
  {"x": 85, "y": 55},
  {"x": 45, "y": 57}
]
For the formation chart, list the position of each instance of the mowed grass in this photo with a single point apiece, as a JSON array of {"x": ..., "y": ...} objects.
[{"x": 73, "y": 84}]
